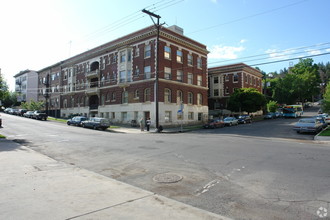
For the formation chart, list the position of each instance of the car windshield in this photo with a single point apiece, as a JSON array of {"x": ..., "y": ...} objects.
[
  {"x": 306, "y": 121},
  {"x": 228, "y": 119}
]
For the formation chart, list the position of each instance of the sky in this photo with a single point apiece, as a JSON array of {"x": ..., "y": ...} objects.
[{"x": 269, "y": 34}]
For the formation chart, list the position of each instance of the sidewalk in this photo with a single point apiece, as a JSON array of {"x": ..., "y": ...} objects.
[
  {"x": 34, "y": 186},
  {"x": 127, "y": 129}
]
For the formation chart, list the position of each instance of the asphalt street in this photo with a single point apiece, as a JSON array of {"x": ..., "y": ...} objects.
[{"x": 262, "y": 170}]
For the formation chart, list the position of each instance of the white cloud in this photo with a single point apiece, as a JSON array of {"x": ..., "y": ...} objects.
[
  {"x": 214, "y": 1},
  {"x": 275, "y": 54},
  {"x": 225, "y": 52},
  {"x": 242, "y": 41},
  {"x": 314, "y": 52}
]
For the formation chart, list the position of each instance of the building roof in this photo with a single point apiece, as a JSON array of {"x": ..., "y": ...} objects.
[
  {"x": 148, "y": 32},
  {"x": 23, "y": 72},
  {"x": 234, "y": 68}
]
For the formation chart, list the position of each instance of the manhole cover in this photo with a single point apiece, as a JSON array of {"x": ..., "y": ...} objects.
[{"x": 167, "y": 178}]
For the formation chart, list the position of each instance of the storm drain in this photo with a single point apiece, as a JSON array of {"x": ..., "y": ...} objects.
[{"x": 167, "y": 178}]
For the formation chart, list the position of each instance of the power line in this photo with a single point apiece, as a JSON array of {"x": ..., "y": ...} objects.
[{"x": 247, "y": 17}]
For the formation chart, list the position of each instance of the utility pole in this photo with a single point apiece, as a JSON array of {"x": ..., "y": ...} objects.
[{"x": 157, "y": 25}]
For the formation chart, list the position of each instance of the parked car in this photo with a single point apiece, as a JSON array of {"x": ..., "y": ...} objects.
[
  {"x": 269, "y": 115},
  {"x": 28, "y": 114},
  {"x": 21, "y": 112},
  {"x": 321, "y": 119},
  {"x": 229, "y": 121},
  {"x": 243, "y": 119},
  {"x": 76, "y": 120},
  {"x": 39, "y": 115},
  {"x": 14, "y": 111},
  {"x": 214, "y": 123},
  {"x": 326, "y": 117},
  {"x": 311, "y": 125},
  {"x": 96, "y": 123},
  {"x": 7, "y": 110}
]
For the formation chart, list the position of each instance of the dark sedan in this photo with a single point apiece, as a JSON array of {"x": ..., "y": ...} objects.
[
  {"x": 96, "y": 123},
  {"x": 76, "y": 120},
  {"x": 243, "y": 119}
]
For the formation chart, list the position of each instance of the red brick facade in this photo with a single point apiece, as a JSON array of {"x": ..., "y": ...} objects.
[
  {"x": 223, "y": 81},
  {"x": 118, "y": 78}
]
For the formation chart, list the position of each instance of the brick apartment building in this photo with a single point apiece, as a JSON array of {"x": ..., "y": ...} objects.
[
  {"x": 223, "y": 81},
  {"x": 117, "y": 80}
]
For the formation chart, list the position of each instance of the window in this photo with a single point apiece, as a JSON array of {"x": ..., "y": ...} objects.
[
  {"x": 200, "y": 116},
  {"x": 190, "y": 59},
  {"x": 227, "y": 90},
  {"x": 179, "y": 75},
  {"x": 216, "y": 80},
  {"x": 102, "y": 99},
  {"x": 199, "y": 99},
  {"x": 65, "y": 103},
  {"x": 136, "y": 94},
  {"x": 86, "y": 101},
  {"x": 137, "y": 71},
  {"x": 199, "y": 80},
  {"x": 235, "y": 79},
  {"x": 216, "y": 92},
  {"x": 147, "y": 95},
  {"x": 137, "y": 52},
  {"x": 168, "y": 116},
  {"x": 190, "y": 98},
  {"x": 108, "y": 96},
  {"x": 122, "y": 57},
  {"x": 190, "y": 115},
  {"x": 113, "y": 98},
  {"x": 125, "y": 97},
  {"x": 147, "y": 51},
  {"x": 167, "y": 96},
  {"x": 199, "y": 62},
  {"x": 167, "y": 73},
  {"x": 122, "y": 76},
  {"x": 226, "y": 77},
  {"x": 167, "y": 52},
  {"x": 147, "y": 72},
  {"x": 129, "y": 55},
  {"x": 124, "y": 116},
  {"x": 179, "y": 56},
  {"x": 179, "y": 97},
  {"x": 190, "y": 78}
]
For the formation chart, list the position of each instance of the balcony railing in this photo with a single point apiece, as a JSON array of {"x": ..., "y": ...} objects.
[{"x": 94, "y": 73}]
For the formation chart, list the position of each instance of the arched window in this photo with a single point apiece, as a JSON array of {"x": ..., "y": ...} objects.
[
  {"x": 86, "y": 101},
  {"x": 190, "y": 98},
  {"x": 65, "y": 103},
  {"x": 167, "y": 96},
  {"x": 179, "y": 97},
  {"x": 147, "y": 95},
  {"x": 136, "y": 94}
]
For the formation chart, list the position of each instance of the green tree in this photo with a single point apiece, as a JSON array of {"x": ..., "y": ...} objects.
[
  {"x": 308, "y": 84},
  {"x": 272, "y": 106},
  {"x": 246, "y": 99},
  {"x": 326, "y": 100}
]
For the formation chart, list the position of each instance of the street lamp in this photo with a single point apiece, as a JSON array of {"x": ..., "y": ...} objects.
[{"x": 157, "y": 64}]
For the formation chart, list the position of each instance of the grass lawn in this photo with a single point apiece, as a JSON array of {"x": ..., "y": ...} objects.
[
  {"x": 1, "y": 136},
  {"x": 326, "y": 132}
]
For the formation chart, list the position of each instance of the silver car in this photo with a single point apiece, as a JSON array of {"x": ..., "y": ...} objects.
[
  {"x": 229, "y": 121},
  {"x": 308, "y": 125}
]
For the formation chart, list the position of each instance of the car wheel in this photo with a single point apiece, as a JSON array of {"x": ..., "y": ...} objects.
[
  {"x": 84, "y": 126},
  {"x": 68, "y": 123},
  {"x": 94, "y": 127}
]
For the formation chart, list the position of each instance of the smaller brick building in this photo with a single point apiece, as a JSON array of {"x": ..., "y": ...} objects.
[{"x": 223, "y": 81}]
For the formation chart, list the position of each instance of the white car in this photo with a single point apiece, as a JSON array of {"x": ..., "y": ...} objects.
[
  {"x": 308, "y": 125},
  {"x": 229, "y": 121}
]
